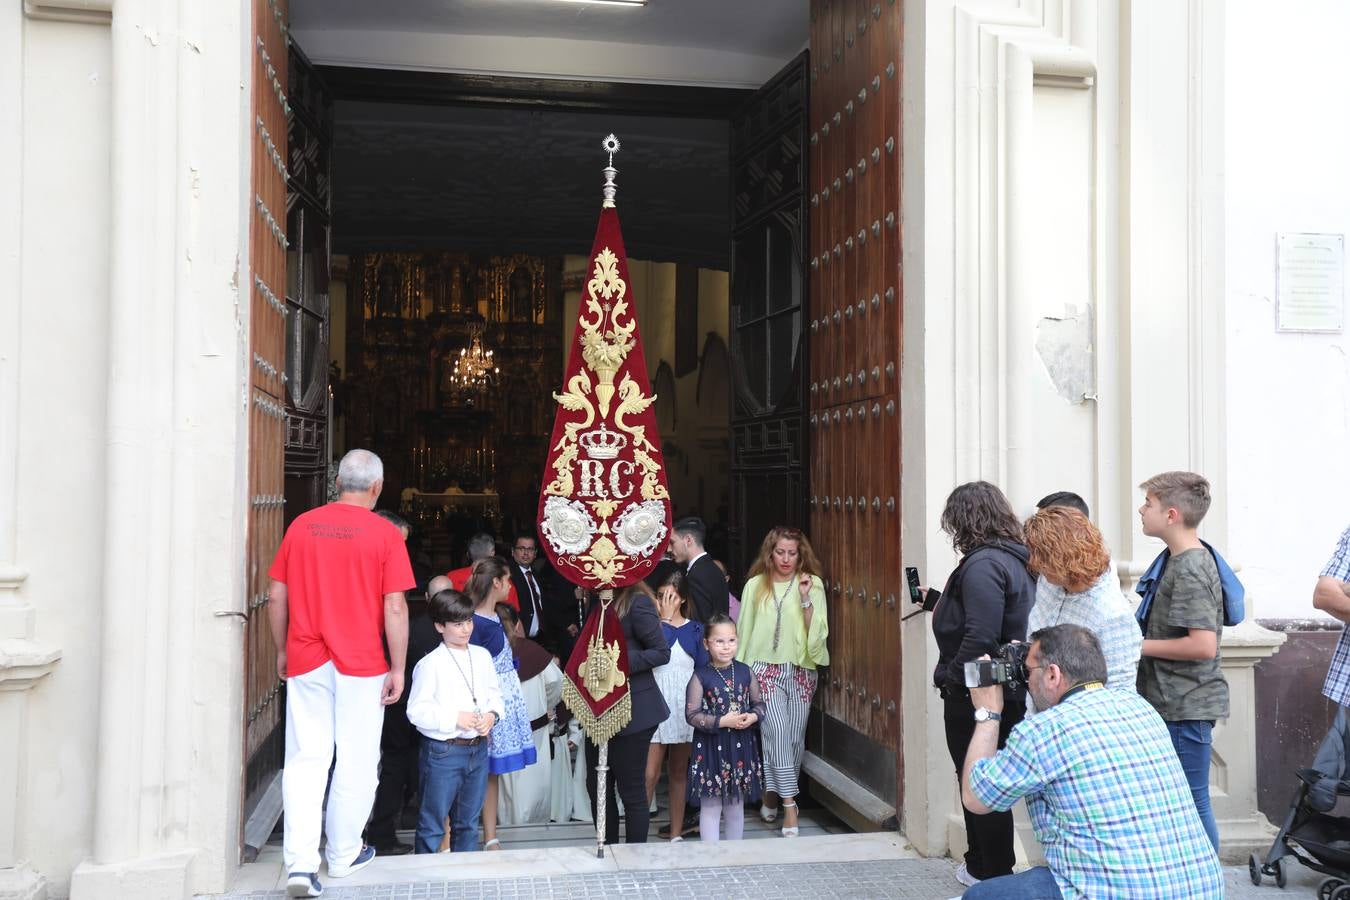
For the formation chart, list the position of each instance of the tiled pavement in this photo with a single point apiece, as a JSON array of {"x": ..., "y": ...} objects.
[
  {"x": 819, "y": 868},
  {"x": 881, "y": 878},
  {"x": 559, "y": 861}
]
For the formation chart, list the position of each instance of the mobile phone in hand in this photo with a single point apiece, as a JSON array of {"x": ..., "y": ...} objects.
[{"x": 912, "y": 576}]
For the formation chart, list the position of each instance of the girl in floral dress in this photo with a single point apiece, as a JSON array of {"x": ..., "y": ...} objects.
[
  {"x": 510, "y": 743},
  {"x": 723, "y": 704}
]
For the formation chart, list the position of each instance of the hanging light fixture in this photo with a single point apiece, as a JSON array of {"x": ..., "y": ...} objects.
[{"x": 474, "y": 367}]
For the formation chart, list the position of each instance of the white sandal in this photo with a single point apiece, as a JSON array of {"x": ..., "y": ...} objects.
[
  {"x": 789, "y": 830},
  {"x": 768, "y": 814}
]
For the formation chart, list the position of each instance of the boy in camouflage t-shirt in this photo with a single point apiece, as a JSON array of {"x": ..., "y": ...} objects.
[{"x": 1179, "y": 670}]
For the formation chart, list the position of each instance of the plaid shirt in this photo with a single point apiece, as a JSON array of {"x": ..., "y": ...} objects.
[
  {"x": 1108, "y": 800},
  {"x": 1337, "y": 685}
]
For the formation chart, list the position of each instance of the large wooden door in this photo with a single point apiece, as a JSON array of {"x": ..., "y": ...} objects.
[
  {"x": 309, "y": 202},
  {"x": 263, "y": 724},
  {"x": 768, "y": 297},
  {"x": 854, "y": 382}
]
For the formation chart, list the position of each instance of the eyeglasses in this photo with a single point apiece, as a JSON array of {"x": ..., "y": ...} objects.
[{"x": 526, "y": 549}]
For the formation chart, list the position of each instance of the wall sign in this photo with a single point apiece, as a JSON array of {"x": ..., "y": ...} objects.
[{"x": 1310, "y": 282}]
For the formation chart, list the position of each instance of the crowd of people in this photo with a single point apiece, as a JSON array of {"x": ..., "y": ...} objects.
[
  {"x": 1103, "y": 729},
  {"x": 719, "y": 689},
  {"x": 1106, "y": 734}
]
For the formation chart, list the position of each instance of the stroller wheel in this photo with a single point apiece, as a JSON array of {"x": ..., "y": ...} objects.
[
  {"x": 1342, "y": 892},
  {"x": 1281, "y": 872},
  {"x": 1327, "y": 887},
  {"x": 1254, "y": 869}
]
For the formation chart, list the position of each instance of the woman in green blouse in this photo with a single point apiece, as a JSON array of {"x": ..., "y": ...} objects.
[{"x": 783, "y": 629}]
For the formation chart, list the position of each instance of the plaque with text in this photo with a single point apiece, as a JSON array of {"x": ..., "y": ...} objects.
[{"x": 1311, "y": 282}]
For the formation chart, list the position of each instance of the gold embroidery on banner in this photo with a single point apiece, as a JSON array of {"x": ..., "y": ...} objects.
[
  {"x": 604, "y": 508},
  {"x": 562, "y": 485},
  {"x": 631, "y": 402},
  {"x": 607, "y": 337},
  {"x": 605, "y": 350},
  {"x": 578, "y": 386},
  {"x": 652, "y": 489},
  {"x": 600, "y": 671},
  {"x": 604, "y": 560}
]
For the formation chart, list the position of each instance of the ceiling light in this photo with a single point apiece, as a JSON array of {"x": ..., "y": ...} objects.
[{"x": 608, "y": 2}]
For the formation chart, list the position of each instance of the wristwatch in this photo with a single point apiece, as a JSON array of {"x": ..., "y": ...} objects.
[{"x": 987, "y": 715}]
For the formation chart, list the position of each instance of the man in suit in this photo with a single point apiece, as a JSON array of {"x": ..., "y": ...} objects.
[
  {"x": 529, "y": 590},
  {"x": 707, "y": 584}
]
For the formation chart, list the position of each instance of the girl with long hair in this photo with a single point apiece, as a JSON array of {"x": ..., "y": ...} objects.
[
  {"x": 673, "y": 736},
  {"x": 985, "y": 604},
  {"x": 783, "y": 634},
  {"x": 510, "y": 743}
]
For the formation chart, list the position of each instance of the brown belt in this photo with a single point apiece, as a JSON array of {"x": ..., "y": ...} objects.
[
  {"x": 460, "y": 742},
  {"x": 538, "y": 723}
]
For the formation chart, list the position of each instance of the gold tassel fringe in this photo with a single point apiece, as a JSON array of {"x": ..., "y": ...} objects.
[{"x": 598, "y": 728}]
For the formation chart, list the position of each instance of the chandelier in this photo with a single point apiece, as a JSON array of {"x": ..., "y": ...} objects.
[{"x": 474, "y": 368}]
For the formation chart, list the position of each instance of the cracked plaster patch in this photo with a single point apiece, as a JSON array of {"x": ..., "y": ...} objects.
[{"x": 1064, "y": 345}]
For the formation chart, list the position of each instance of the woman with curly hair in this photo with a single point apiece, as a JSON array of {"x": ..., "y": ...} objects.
[
  {"x": 783, "y": 630},
  {"x": 1077, "y": 585},
  {"x": 983, "y": 605}
]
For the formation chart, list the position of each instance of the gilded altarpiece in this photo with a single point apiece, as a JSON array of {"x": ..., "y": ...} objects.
[{"x": 447, "y": 448}]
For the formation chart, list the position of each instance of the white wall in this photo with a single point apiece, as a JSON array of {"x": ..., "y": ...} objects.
[
  {"x": 1288, "y": 139},
  {"x": 62, "y": 423}
]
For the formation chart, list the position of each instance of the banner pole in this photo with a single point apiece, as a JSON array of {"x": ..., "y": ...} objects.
[
  {"x": 601, "y": 777},
  {"x": 602, "y": 766}
]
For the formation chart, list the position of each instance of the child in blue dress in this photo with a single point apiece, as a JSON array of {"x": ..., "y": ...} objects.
[
  {"x": 723, "y": 704},
  {"x": 511, "y": 743},
  {"x": 674, "y": 736}
]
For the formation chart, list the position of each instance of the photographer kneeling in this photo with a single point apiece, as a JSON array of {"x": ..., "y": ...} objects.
[{"x": 1108, "y": 799}]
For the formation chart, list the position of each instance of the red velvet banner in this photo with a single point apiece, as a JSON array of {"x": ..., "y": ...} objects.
[{"x": 604, "y": 512}]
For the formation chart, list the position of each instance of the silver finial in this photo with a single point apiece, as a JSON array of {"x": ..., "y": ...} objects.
[{"x": 611, "y": 146}]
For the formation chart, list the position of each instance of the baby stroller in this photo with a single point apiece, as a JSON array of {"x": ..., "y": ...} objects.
[{"x": 1310, "y": 833}]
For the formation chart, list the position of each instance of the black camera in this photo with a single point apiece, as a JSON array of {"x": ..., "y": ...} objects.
[{"x": 1009, "y": 666}]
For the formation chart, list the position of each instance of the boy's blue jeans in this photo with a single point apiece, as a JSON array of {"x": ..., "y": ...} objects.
[
  {"x": 1192, "y": 741},
  {"x": 454, "y": 782},
  {"x": 1034, "y": 884}
]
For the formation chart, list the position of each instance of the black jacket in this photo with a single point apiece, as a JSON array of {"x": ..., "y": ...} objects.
[
  {"x": 707, "y": 589},
  {"x": 647, "y": 649},
  {"x": 526, "y": 612},
  {"x": 986, "y": 603}
]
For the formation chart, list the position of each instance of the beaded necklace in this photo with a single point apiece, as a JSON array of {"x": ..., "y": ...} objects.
[{"x": 728, "y": 676}]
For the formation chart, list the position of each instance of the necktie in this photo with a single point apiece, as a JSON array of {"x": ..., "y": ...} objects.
[{"x": 534, "y": 603}]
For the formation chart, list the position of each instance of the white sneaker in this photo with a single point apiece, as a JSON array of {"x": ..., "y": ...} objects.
[{"x": 963, "y": 875}]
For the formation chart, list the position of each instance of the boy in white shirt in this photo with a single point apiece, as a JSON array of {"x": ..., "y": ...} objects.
[{"x": 455, "y": 701}]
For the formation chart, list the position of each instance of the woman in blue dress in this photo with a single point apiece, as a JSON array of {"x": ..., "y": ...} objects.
[
  {"x": 674, "y": 735},
  {"x": 510, "y": 743}
]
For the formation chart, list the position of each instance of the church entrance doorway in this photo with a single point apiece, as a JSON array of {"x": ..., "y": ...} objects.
[{"x": 431, "y": 230}]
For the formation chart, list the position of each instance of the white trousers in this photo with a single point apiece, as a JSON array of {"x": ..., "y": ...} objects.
[{"x": 326, "y": 709}]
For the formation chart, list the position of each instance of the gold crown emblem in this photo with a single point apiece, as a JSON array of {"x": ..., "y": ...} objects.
[{"x": 602, "y": 443}]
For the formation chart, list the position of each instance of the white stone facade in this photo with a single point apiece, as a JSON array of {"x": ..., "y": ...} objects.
[{"x": 1064, "y": 188}]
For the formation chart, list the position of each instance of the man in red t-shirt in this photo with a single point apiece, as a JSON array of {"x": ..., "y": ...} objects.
[
  {"x": 481, "y": 546},
  {"x": 337, "y": 587}
]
